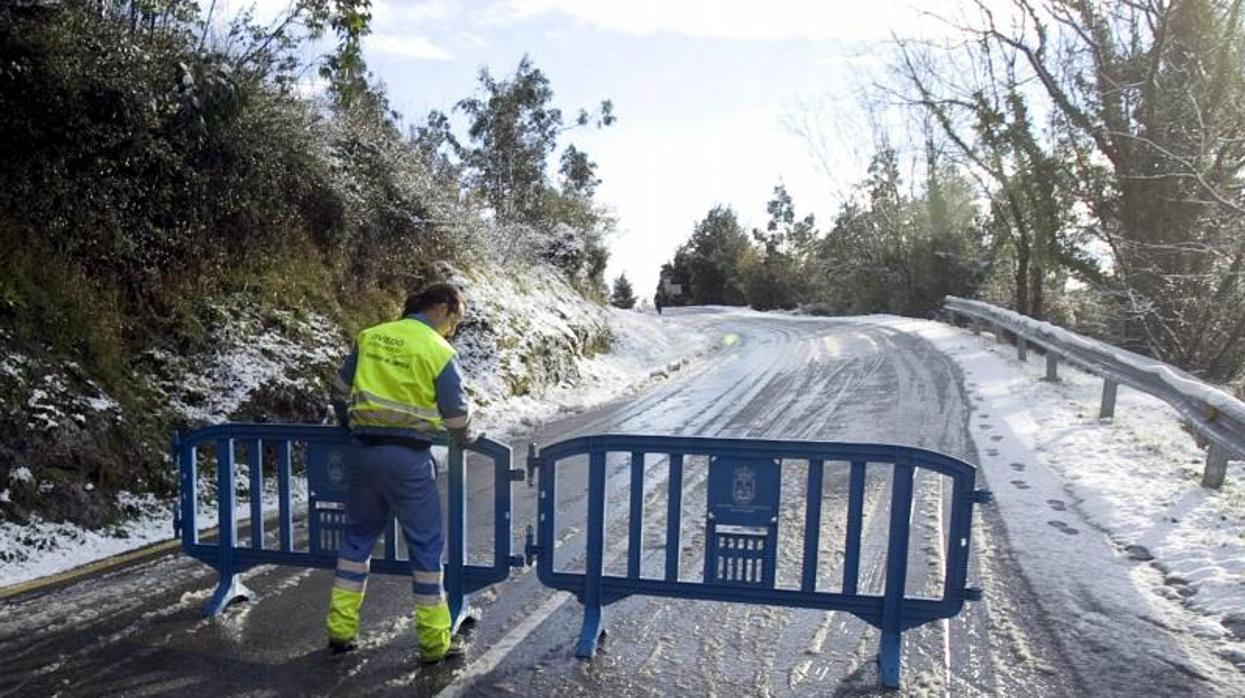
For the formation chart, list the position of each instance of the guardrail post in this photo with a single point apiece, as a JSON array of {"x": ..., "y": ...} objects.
[
  {"x": 1052, "y": 366},
  {"x": 1109, "y": 388},
  {"x": 1021, "y": 348},
  {"x": 976, "y": 325},
  {"x": 999, "y": 335},
  {"x": 1216, "y": 467}
]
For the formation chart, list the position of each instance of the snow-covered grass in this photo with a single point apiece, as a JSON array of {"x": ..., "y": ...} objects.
[
  {"x": 1060, "y": 475},
  {"x": 248, "y": 356},
  {"x": 40, "y": 548}
]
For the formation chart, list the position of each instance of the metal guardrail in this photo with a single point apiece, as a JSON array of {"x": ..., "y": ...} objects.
[
  {"x": 326, "y": 453},
  {"x": 1216, "y": 416},
  {"x": 742, "y": 512}
]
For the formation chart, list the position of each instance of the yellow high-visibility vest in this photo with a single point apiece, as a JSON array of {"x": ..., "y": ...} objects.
[{"x": 395, "y": 376}]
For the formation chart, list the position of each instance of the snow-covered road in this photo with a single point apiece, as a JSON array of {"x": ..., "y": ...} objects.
[{"x": 1066, "y": 610}]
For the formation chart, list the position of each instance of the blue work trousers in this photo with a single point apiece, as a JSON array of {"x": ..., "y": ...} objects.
[{"x": 398, "y": 480}]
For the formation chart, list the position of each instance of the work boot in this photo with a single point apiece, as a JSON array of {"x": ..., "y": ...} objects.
[
  {"x": 456, "y": 649},
  {"x": 340, "y": 647}
]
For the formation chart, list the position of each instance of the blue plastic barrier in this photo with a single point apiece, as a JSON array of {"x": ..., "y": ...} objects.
[
  {"x": 742, "y": 513},
  {"x": 325, "y": 452}
]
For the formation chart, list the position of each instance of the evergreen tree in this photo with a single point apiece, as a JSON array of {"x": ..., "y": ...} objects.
[{"x": 622, "y": 297}]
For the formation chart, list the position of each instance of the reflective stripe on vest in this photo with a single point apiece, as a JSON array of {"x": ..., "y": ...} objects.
[{"x": 395, "y": 376}]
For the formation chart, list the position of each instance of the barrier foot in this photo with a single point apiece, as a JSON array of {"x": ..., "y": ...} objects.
[
  {"x": 594, "y": 628},
  {"x": 461, "y": 611},
  {"x": 227, "y": 591},
  {"x": 888, "y": 660}
]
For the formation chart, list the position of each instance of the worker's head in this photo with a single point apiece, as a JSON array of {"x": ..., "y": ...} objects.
[{"x": 441, "y": 303}]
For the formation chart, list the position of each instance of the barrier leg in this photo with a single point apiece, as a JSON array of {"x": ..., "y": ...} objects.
[
  {"x": 460, "y": 605},
  {"x": 888, "y": 659},
  {"x": 896, "y": 574},
  {"x": 591, "y": 632},
  {"x": 229, "y": 589},
  {"x": 461, "y": 610},
  {"x": 230, "y": 586},
  {"x": 593, "y": 619}
]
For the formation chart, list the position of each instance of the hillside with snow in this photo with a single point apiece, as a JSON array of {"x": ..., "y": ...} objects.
[{"x": 531, "y": 347}]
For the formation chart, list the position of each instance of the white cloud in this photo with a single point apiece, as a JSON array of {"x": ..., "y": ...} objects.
[
  {"x": 472, "y": 39},
  {"x": 738, "y": 19},
  {"x": 406, "y": 46},
  {"x": 386, "y": 13}
]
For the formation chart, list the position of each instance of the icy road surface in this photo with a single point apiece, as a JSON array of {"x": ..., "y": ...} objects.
[{"x": 138, "y": 631}]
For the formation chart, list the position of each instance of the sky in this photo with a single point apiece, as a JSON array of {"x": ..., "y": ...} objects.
[{"x": 706, "y": 94}]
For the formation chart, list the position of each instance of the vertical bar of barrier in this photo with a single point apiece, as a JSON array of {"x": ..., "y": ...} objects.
[
  {"x": 896, "y": 573},
  {"x": 255, "y": 466},
  {"x": 229, "y": 587},
  {"x": 457, "y": 544},
  {"x": 957, "y": 538},
  {"x": 503, "y": 503},
  {"x": 812, "y": 525},
  {"x": 283, "y": 496},
  {"x": 548, "y": 483},
  {"x": 227, "y": 523},
  {"x": 1022, "y": 347},
  {"x": 674, "y": 513},
  {"x": 391, "y": 539},
  {"x": 1052, "y": 366},
  {"x": 855, "y": 522},
  {"x": 594, "y": 566},
  {"x": 190, "y": 495},
  {"x": 635, "y": 520}
]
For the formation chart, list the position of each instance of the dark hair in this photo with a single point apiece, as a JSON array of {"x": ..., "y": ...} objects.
[{"x": 432, "y": 295}]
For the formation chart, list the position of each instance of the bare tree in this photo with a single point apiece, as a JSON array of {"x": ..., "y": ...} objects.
[{"x": 1147, "y": 104}]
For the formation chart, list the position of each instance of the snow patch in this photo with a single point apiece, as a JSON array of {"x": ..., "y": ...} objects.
[
  {"x": 283, "y": 350},
  {"x": 1064, "y": 479}
]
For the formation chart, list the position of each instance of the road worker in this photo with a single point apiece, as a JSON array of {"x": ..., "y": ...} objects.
[{"x": 401, "y": 382}]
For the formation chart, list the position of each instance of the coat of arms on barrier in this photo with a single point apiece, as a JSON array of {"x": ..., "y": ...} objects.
[{"x": 745, "y": 489}]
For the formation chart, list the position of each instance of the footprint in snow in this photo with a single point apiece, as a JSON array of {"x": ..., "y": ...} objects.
[
  {"x": 1063, "y": 527},
  {"x": 1057, "y": 504},
  {"x": 992, "y": 451},
  {"x": 996, "y": 437},
  {"x": 1018, "y": 467},
  {"x": 984, "y": 426},
  {"x": 1020, "y": 484}
]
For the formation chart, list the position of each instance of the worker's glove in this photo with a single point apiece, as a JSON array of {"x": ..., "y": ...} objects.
[{"x": 465, "y": 436}]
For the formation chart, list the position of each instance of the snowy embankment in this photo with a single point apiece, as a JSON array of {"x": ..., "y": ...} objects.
[
  {"x": 533, "y": 348},
  {"x": 1106, "y": 517}
]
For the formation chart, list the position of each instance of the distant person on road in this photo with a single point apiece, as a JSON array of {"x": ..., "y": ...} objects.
[
  {"x": 657, "y": 303},
  {"x": 401, "y": 382}
]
